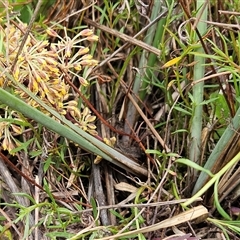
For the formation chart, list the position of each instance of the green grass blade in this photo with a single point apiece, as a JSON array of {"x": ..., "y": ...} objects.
[
  {"x": 217, "y": 151},
  {"x": 70, "y": 131},
  {"x": 217, "y": 203},
  {"x": 194, "y": 165},
  {"x": 199, "y": 71}
]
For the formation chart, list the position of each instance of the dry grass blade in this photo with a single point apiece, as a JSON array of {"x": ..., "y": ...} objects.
[
  {"x": 189, "y": 215},
  {"x": 11, "y": 183},
  {"x": 155, "y": 133},
  {"x": 124, "y": 37},
  {"x": 141, "y": 205},
  {"x": 6, "y": 175},
  {"x": 230, "y": 179},
  {"x": 9, "y": 224}
]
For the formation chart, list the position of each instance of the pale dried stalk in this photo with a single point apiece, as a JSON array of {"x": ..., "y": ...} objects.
[
  {"x": 189, "y": 215},
  {"x": 124, "y": 37}
]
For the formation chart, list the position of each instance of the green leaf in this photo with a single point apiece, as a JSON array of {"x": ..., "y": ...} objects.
[
  {"x": 59, "y": 234},
  {"x": 47, "y": 189},
  {"x": 94, "y": 207},
  {"x": 217, "y": 203},
  {"x": 221, "y": 107},
  {"x": 193, "y": 165},
  {"x": 26, "y": 227},
  {"x": 116, "y": 214},
  {"x": 47, "y": 163},
  {"x": 36, "y": 153},
  {"x": 180, "y": 131},
  {"x": 204, "y": 55},
  {"x": 26, "y": 13},
  {"x": 182, "y": 110},
  {"x": 23, "y": 146},
  {"x": 205, "y": 102},
  {"x": 150, "y": 151},
  {"x": 27, "y": 196}
]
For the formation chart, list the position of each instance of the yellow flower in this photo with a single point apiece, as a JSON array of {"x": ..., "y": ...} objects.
[
  {"x": 51, "y": 32},
  {"x": 89, "y": 62},
  {"x": 83, "y": 51},
  {"x": 83, "y": 81},
  {"x": 93, "y": 38},
  {"x": 86, "y": 33}
]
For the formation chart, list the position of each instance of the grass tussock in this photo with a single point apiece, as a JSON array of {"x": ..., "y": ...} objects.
[{"x": 119, "y": 120}]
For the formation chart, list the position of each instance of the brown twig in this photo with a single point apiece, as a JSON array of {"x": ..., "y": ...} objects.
[
  {"x": 140, "y": 205},
  {"x": 136, "y": 35},
  {"x": 124, "y": 37}
]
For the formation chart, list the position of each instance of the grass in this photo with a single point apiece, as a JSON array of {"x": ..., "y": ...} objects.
[{"x": 119, "y": 120}]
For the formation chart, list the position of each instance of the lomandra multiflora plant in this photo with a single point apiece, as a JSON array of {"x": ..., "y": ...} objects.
[{"x": 42, "y": 68}]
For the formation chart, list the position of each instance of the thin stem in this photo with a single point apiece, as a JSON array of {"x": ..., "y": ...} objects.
[{"x": 35, "y": 13}]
